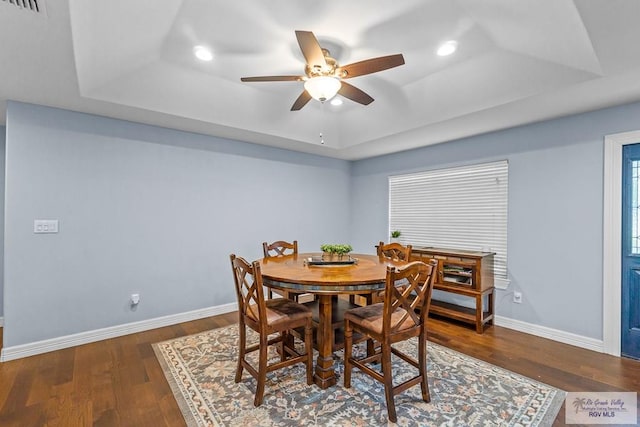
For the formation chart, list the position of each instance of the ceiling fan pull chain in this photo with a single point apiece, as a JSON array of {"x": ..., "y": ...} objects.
[{"x": 323, "y": 121}]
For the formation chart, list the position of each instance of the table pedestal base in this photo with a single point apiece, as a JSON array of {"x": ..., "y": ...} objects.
[{"x": 324, "y": 375}]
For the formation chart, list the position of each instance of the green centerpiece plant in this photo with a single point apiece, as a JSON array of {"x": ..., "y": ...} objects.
[{"x": 335, "y": 251}]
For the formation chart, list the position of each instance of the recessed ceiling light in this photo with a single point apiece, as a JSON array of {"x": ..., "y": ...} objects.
[
  {"x": 447, "y": 48},
  {"x": 336, "y": 101},
  {"x": 203, "y": 53}
]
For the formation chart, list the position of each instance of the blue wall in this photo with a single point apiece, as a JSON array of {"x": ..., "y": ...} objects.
[
  {"x": 157, "y": 211},
  {"x": 555, "y": 210},
  {"x": 144, "y": 210}
]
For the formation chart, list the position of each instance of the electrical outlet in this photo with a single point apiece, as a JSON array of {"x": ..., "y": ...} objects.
[
  {"x": 517, "y": 297},
  {"x": 45, "y": 226},
  {"x": 135, "y": 299}
]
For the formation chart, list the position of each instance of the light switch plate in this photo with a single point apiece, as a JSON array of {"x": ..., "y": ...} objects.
[{"x": 45, "y": 225}]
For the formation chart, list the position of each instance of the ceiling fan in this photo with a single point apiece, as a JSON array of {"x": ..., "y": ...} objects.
[{"x": 324, "y": 77}]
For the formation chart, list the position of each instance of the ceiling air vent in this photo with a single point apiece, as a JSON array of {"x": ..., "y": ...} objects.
[{"x": 36, "y": 6}]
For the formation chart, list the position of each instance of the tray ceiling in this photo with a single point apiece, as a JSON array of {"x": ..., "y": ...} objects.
[{"x": 517, "y": 62}]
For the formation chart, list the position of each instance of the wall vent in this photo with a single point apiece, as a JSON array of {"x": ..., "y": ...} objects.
[{"x": 36, "y": 6}]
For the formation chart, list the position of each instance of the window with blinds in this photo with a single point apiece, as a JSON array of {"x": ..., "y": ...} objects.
[{"x": 460, "y": 208}]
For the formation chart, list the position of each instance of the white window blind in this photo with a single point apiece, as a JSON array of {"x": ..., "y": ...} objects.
[{"x": 458, "y": 208}]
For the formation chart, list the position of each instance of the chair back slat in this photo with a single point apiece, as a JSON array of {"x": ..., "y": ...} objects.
[
  {"x": 394, "y": 251},
  {"x": 408, "y": 295},
  {"x": 249, "y": 290},
  {"x": 279, "y": 248}
]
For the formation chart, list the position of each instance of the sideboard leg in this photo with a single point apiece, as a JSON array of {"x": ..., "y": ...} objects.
[{"x": 479, "y": 314}]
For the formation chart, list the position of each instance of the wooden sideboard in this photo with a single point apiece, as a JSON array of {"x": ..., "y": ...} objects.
[{"x": 466, "y": 273}]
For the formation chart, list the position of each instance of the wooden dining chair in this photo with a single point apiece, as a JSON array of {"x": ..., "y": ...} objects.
[
  {"x": 401, "y": 316},
  {"x": 276, "y": 249},
  {"x": 394, "y": 251},
  {"x": 279, "y": 248},
  {"x": 268, "y": 317}
]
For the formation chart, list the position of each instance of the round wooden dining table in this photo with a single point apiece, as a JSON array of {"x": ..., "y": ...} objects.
[{"x": 298, "y": 274}]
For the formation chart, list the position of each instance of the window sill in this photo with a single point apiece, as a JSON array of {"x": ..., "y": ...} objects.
[{"x": 501, "y": 283}]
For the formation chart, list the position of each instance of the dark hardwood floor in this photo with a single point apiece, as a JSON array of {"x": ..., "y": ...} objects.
[{"x": 118, "y": 382}]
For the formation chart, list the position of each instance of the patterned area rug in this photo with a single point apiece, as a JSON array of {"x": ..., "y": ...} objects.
[{"x": 464, "y": 391}]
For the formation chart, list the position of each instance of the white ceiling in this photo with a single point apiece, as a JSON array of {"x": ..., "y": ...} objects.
[{"x": 518, "y": 61}]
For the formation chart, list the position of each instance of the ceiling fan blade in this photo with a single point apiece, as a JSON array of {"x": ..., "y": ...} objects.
[
  {"x": 301, "y": 101},
  {"x": 369, "y": 66},
  {"x": 354, "y": 94},
  {"x": 311, "y": 49},
  {"x": 272, "y": 79}
]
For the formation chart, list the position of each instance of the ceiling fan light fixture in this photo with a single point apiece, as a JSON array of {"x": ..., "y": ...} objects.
[
  {"x": 324, "y": 78},
  {"x": 322, "y": 88}
]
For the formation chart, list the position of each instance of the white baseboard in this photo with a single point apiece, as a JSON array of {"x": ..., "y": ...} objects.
[
  {"x": 552, "y": 334},
  {"x": 39, "y": 347},
  {"x": 1, "y": 321}
]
